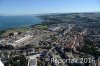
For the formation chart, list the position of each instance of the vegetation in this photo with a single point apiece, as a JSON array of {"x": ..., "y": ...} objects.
[
  {"x": 89, "y": 48},
  {"x": 2, "y": 31},
  {"x": 17, "y": 61},
  {"x": 43, "y": 26},
  {"x": 10, "y": 31},
  {"x": 53, "y": 38}
]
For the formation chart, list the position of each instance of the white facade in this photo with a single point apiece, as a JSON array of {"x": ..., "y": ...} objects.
[
  {"x": 33, "y": 60},
  {"x": 23, "y": 39},
  {"x": 1, "y": 64}
]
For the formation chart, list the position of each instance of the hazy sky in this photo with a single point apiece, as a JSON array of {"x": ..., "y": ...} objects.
[{"x": 25, "y": 7}]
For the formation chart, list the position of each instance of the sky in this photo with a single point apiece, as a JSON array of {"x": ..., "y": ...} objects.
[{"x": 28, "y": 7}]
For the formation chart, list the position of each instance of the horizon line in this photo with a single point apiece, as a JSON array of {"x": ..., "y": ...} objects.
[{"x": 51, "y": 13}]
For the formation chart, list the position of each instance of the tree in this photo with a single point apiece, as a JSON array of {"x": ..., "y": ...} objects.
[
  {"x": 2, "y": 31},
  {"x": 11, "y": 34}
]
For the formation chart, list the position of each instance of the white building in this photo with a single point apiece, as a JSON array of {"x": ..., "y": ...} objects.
[
  {"x": 33, "y": 60},
  {"x": 24, "y": 39},
  {"x": 1, "y": 64}
]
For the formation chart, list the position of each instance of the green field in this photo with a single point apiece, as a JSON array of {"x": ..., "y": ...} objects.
[{"x": 14, "y": 30}]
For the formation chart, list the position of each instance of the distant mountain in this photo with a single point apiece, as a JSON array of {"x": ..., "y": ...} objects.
[{"x": 44, "y": 14}]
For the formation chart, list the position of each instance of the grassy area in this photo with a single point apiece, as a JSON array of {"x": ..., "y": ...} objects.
[
  {"x": 15, "y": 30},
  {"x": 43, "y": 26}
]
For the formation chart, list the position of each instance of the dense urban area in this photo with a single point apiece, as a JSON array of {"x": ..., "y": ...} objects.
[{"x": 71, "y": 39}]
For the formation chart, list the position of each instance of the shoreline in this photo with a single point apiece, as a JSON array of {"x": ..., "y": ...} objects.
[{"x": 18, "y": 22}]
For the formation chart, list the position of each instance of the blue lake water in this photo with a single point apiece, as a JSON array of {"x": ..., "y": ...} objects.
[{"x": 17, "y": 21}]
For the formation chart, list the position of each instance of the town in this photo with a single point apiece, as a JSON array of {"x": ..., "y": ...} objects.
[{"x": 60, "y": 36}]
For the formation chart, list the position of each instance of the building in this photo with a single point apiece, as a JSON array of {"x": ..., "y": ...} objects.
[
  {"x": 24, "y": 39},
  {"x": 1, "y": 64},
  {"x": 32, "y": 60}
]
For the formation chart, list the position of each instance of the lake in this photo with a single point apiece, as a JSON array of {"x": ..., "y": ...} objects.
[{"x": 7, "y": 22}]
